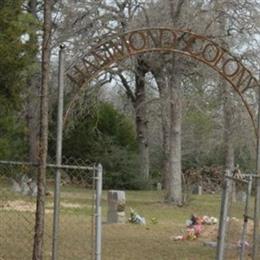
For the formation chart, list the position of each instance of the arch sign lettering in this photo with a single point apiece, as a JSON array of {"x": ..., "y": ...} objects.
[{"x": 121, "y": 47}]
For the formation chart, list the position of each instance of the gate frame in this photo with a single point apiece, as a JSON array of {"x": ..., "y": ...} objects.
[{"x": 98, "y": 175}]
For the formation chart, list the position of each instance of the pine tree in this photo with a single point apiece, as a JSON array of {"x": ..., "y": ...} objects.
[{"x": 16, "y": 49}]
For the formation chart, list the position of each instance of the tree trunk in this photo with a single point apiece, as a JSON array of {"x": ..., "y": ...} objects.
[
  {"x": 141, "y": 120},
  {"x": 165, "y": 120},
  {"x": 166, "y": 137},
  {"x": 227, "y": 107},
  {"x": 171, "y": 111},
  {"x": 32, "y": 115},
  {"x": 228, "y": 133},
  {"x": 174, "y": 193},
  {"x": 32, "y": 7},
  {"x": 228, "y": 137},
  {"x": 43, "y": 146}
]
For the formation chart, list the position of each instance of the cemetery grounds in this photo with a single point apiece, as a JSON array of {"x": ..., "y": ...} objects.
[{"x": 119, "y": 241}]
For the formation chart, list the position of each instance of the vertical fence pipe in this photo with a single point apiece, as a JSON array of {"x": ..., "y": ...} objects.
[
  {"x": 98, "y": 212},
  {"x": 223, "y": 218},
  {"x": 56, "y": 214},
  {"x": 256, "y": 237},
  {"x": 93, "y": 213},
  {"x": 243, "y": 236}
]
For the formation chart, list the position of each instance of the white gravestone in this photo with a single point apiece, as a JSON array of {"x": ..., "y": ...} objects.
[
  {"x": 159, "y": 186},
  {"x": 116, "y": 206}
]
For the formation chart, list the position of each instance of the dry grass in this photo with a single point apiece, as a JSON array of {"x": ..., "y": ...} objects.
[{"x": 128, "y": 241}]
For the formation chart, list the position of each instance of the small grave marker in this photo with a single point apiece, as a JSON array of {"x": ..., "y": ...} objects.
[{"x": 116, "y": 206}]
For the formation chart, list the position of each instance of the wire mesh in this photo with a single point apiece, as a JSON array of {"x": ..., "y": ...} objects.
[
  {"x": 123, "y": 240},
  {"x": 240, "y": 224},
  {"x": 17, "y": 212},
  {"x": 18, "y": 204},
  {"x": 76, "y": 211}
]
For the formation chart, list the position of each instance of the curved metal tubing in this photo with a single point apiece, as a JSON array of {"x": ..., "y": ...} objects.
[{"x": 166, "y": 40}]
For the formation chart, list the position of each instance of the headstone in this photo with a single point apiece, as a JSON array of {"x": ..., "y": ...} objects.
[
  {"x": 196, "y": 189},
  {"x": 200, "y": 190},
  {"x": 159, "y": 186},
  {"x": 33, "y": 188},
  {"x": 116, "y": 206},
  {"x": 241, "y": 196},
  {"x": 25, "y": 189},
  {"x": 16, "y": 186}
]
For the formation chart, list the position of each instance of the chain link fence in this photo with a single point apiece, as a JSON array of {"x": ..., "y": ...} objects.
[
  {"x": 237, "y": 225},
  {"x": 17, "y": 211},
  {"x": 18, "y": 191},
  {"x": 124, "y": 235}
]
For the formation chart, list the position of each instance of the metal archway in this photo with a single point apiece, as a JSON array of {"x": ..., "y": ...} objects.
[
  {"x": 123, "y": 46},
  {"x": 167, "y": 40}
]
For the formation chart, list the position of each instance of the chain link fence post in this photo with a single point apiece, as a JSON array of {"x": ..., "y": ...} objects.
[
  {"x": 223, "y": 217},
  {"x": 99, "y": 181},
  {"x": 256, "y": 242},
  {"x": 244, "y": 231},
  {"x": 56, "y": 212}
]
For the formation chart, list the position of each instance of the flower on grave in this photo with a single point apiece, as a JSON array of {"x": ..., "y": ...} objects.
[{"x": 135, "y": 218}]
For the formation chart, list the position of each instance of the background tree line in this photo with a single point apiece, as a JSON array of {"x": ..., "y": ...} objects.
[{"x": 147, "y": 119}]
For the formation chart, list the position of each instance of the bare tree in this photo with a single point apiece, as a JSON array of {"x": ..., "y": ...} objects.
[
  {"x": 172, "y": 168},
  {"x": 108, "y": 17},
  {"x": 163, "y": 86},
  {"x": 141, "y": 119},
  {"x": 43, "y": 148},
  {"x": 121, "y": 13}
]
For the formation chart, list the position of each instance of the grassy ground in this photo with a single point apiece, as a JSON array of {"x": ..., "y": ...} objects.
[{"x": 128, "y": 241}]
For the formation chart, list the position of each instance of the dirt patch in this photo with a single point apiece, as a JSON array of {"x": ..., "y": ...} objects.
[
  {"x": 18, "y": 205},
  {"x": 71, "y": 205},
  {"x": 25, "y": 206}
]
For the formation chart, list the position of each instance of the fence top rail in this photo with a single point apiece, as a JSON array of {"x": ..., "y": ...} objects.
[
  {"x": 236, "y": 179},
  {"x": 71, "y": 167},
  {"x": 62, "y": 166},
  {"x": 250, "y": 175}
]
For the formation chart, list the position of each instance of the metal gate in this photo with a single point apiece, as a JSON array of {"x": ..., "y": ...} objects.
[{"x": 72, "y": 223}]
